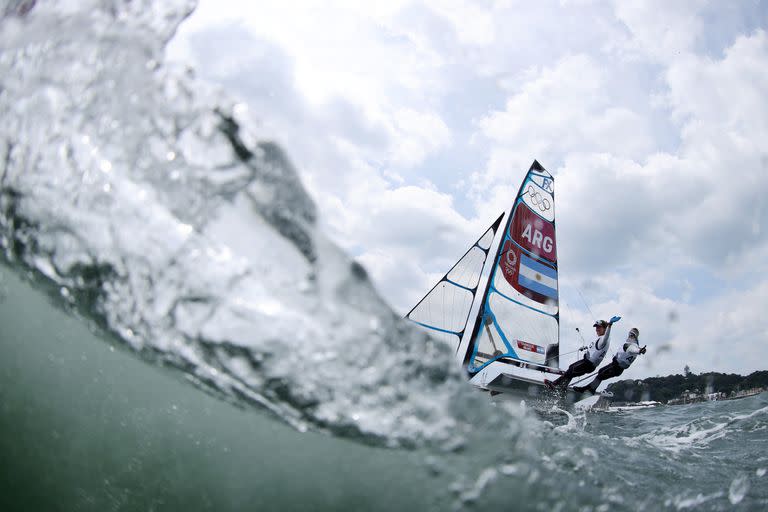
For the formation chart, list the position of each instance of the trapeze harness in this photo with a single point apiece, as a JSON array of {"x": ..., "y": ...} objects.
[
  {"x": 596, "y": 352},
  {"x": 628, "y": 355}
]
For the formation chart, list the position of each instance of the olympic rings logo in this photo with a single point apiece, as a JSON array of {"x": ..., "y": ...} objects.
[{"x": 538, "y": 200}]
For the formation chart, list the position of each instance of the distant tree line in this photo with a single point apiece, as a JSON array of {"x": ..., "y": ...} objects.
[{"x": 662, "y": 389}]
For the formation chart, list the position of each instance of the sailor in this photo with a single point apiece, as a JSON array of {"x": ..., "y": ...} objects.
[
  {"x": 595, "y": 353},
  {"x": 621, "y": 361}
]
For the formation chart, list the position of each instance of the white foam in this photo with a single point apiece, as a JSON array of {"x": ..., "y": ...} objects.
[
  {"x": 676, "y": 439},
  {"x": 738, "y": 489},
  {"x": 576, "y": 422},
  {"x": 681, "y": 503}
]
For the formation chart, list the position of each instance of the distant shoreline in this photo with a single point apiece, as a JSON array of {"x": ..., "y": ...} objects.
[{"x": 690, "y": 388}]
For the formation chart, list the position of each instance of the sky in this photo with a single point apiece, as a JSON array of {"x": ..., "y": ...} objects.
[{"x": 413, "y": 122}]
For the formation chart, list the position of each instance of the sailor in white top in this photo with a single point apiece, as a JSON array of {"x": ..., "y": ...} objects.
[
  {"x": 621, "y": 361},
  {"x": 595, "y": 353}
]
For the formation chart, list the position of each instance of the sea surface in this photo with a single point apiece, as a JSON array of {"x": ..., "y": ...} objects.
[
  {"x": 85, "y": 424},
  {"x": 176, "y": 331}
]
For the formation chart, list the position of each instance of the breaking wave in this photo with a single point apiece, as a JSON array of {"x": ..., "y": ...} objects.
[{"x": 156, "y": 210}]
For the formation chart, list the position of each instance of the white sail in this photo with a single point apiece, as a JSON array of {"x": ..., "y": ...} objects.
[
  {"x": 444, "y": 311},
  {"x": 507, "y": 325}
]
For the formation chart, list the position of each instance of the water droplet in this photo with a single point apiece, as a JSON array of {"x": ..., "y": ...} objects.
[
  {"x": 509, "y": 469},
  {"x": 738, "y": 489},
  {"x": 240, "y": 109}
]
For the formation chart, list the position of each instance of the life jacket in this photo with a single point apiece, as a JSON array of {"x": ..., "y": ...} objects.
[
  {"x": 625, "y": 358},
  {"x": 595, "y": 355}
]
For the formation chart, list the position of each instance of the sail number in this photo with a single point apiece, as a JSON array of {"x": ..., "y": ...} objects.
[{"x": 536, "y": 238}]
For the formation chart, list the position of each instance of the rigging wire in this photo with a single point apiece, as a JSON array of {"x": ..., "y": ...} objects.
[
  {"x": 585, "y": 302},
  {"x": 567, "y": 310},
  {"x": 581, "y": 379},
  {"x": 571, "y": 352}
]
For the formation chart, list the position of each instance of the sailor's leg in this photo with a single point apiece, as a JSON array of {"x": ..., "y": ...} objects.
[
  {"x": 606, "y": 372},
  {"x": 564, "y": 377},
  {"x": 584, "y": 368},
  {"x": 580, "y": 367},
  {"x": 595, "y": 384},
  {"x": 611, "y": 371},
  {"x": 591, "y": 387}
]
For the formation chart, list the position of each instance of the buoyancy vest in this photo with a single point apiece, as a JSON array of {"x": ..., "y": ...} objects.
[
  {"x": 628, "y": 354},
  {"x": 594, "y": 354}
]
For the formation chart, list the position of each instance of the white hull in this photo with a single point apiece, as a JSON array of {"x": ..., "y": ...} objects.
[{"x": 517, "y": 382}]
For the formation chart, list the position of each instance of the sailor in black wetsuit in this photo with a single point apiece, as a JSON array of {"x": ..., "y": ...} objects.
[
  {"x": 621, "y": 361},
  {"x": 595, "y": 353}
]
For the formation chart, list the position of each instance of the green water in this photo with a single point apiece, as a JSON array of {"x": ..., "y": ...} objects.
[{"x": 87, "y": 426}]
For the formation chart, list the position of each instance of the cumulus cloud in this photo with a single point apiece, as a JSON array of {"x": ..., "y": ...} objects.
[
  {"x": 703, "y": 204},
  {"x": 473, "y": 24},
  {"x": 562, "y": 109},
  {"x": 409, "y": 237},
  {"x": 413, "y": 122},
  {"x": 415, "y": 135},
  {"x": 660, "y": 30}
]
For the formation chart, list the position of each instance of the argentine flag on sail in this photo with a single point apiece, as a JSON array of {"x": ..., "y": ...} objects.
[{"x": 537, "y": 277}]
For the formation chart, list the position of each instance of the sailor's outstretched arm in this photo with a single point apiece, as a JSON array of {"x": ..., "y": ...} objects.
[{"x": 604, "y": 338}]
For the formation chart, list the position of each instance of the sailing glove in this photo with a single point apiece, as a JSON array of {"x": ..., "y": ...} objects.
[{"x": 614, "y": 319}]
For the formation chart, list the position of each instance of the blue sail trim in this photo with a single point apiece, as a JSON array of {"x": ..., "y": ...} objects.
[
  {"x": 510, "y": 354},
  {"x": 503, "y": 336},
  {"x": 454, "y": 283},
  {"x": 510, "y": 299},
  {"x": 433, "y": 328}
]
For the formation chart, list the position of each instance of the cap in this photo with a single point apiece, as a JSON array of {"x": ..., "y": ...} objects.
[
  {"x": 634, "y": 332},
  {"x": 600, "y": 323}
]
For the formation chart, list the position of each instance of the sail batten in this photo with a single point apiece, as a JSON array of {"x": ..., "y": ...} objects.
[
  {"x": 525, "y": 305},
  {"x": 446, "y": 308}
]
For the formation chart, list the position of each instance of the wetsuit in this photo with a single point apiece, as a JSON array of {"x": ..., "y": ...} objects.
[
  {"x": 595, "y": 354},
  {"x": 621, "y": 361}
]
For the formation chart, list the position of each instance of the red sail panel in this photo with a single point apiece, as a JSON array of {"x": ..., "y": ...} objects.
[{"x": 533, "y": 233}]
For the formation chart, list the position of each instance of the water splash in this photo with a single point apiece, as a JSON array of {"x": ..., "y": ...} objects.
[
  {"x": 738, "y": 488},
  {"x": 692, "y": 435},
  {"x": 145, "y": 197}
]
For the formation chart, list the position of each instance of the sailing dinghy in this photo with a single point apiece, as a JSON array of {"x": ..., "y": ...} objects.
[{"x": 503, "y": 318}]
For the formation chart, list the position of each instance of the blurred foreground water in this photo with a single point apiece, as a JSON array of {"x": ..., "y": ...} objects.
[{"x": 84, "y": 425}]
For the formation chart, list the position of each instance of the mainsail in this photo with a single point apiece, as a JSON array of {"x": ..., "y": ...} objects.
[{"x": 507, "y": 325}]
